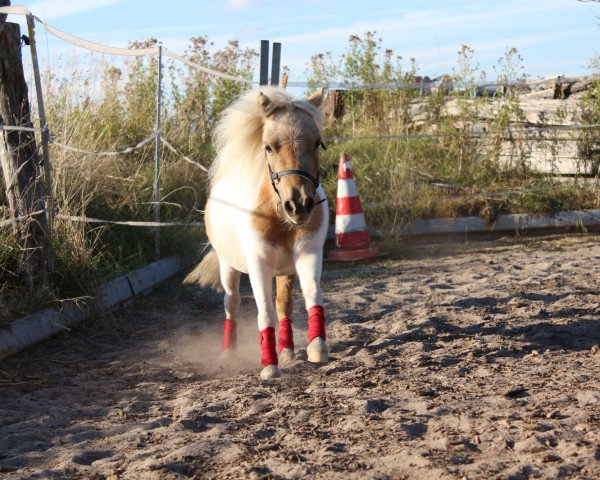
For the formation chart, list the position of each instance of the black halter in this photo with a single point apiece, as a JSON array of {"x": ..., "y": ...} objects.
[{"x": 284, "y": 173}]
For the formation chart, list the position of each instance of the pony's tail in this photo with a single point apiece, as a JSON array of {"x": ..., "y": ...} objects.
[{"x": 206, "y": 273}]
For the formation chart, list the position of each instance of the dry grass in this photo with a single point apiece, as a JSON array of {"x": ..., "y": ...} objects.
[{"x": 108, "y": 107}]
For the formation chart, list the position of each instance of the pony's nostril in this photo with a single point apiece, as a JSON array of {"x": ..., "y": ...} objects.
[
  {"x": 289, "y": 207},
  {"x": 309, "y": 204}
]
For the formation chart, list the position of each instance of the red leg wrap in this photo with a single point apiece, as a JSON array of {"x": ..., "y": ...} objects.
[
  {"x": 267, "y": 347},
  {"x": 229, "y": 335},
  {"x": 316, "y": 323},
  {"x": 286, "y": 335}
]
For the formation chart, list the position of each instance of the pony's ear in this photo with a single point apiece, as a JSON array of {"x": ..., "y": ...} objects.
[
  {"x": 317, "y": 98},
  {"x": 266, "y": 104}
]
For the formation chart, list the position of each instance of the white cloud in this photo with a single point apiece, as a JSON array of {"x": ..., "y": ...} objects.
[{"x": 243, "y": 4}]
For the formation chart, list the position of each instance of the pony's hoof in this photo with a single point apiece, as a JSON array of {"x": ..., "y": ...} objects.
[
  {"x": 317, "y": 351},
  {"x": 227, "y": 355},
  {"x": 270, "y": 371},
  {"x": 287, "y": 355}
]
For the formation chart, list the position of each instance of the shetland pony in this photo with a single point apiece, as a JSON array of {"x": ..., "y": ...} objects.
[{"x": 266, "y": 215}]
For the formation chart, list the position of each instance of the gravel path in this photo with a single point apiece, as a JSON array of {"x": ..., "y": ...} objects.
[{"x": 478, "y": 364}]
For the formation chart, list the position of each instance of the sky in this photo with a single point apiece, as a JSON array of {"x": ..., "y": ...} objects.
[{"x": 553, "y": 36}]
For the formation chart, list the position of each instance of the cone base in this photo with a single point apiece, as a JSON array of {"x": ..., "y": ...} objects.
[{"x": 353, "y": 255}]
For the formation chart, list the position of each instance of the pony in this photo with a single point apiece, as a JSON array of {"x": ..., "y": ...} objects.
[{"x": 267, "y": 215}]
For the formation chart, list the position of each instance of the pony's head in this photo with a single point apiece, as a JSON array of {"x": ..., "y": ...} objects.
[{"x": 291, "y": 139}]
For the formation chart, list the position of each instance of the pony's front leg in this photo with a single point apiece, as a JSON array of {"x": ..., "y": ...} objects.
[
  {"x": 261, "y": 279},
  {"x": 308, "y": 267}
]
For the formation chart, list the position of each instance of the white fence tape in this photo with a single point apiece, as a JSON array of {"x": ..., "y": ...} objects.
[
  {"x": 97, "y": 47},
  {"x": 146, "y": 140},
  {"x": 210, "y": 71},
  {"x": 75, "y": 218},
  {"x": 182, "y": 156},
  {"x": 10, "y": 128},
  {"x": 100, "y": 48},
  {"x": 526, "y": 131},
  {"x": 11, "y": 221}
]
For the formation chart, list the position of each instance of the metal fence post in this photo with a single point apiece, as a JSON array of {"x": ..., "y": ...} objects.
[
  {"x": 45, "y": 136},
  {"x": 275, "y": 63},
  {"x": 264, "y": 63},
  {"x": 157, "y": 198}
]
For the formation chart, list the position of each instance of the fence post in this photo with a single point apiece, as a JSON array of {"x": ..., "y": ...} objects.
[
  {"x": 276, "y": 63},
  {"x": 43, "y": 125},
  {"x": 157, "y": 198},
  {"x": 3, "y": 3},
  {"x": 264, "y": 63},
  {"x": 19, "y": 160}
]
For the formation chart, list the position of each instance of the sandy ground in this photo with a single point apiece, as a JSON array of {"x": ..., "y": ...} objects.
[{"x": 479, "y": 364}]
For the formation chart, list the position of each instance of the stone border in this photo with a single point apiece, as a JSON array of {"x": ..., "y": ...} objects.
[
  {"x": 515, "y": 223},
  {"x": 34, "y": 328}
]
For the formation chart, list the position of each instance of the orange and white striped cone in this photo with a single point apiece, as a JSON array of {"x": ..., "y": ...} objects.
[{"x": 352, "y": 239}]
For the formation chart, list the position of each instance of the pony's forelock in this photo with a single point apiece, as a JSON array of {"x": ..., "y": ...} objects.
[{"x": 237, "y": 136}]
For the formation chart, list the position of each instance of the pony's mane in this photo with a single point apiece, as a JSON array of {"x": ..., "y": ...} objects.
[{"x": 238, "y": 134}]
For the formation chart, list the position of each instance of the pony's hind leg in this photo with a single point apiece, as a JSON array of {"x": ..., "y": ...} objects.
[
  {"x": 284, "y": 306},
  {"x": 230, "y": 279}
]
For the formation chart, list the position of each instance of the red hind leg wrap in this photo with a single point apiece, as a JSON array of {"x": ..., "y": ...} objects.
[
  {"x": 229, "y": 334},
  {"x": 286, "y": 335},
  {"x": 268, "y": 354},
  {"x": 316, "y": 323}
]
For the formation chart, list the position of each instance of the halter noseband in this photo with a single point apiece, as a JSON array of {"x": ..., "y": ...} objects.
[{"x": 284, "y": 173}]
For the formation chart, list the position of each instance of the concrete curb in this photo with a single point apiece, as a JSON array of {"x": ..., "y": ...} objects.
[
  {"x": 34, "y": 328},
  {"x": 515, "y": 223}
]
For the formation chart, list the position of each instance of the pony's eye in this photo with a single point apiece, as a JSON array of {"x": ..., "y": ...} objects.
[{"x": 268, "y": 149}]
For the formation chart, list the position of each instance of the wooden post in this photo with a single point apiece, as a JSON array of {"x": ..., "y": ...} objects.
[
  {"x": 20, "y": 165},
  {"x": 3, "y": 3}
]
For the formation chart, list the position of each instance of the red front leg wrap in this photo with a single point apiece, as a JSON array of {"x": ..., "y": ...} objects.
[
  {"x": 286, "y": 335},
  {"x": 229, "y": 335},
  {"x": 268, "y": 354},
  {"x": 316, "y": 323}
]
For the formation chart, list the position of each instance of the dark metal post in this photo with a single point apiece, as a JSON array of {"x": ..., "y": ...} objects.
[
  {"x": 264, "y": 62},
  {"x": 157, "y": 156},
  {"x": 276, "y": 63},
  {"x": 45, "y": 136}
]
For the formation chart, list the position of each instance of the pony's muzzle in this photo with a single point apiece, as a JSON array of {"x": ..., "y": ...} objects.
[{"x": 298, "y": 211}]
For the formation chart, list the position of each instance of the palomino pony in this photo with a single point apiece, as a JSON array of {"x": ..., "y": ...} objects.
[{"x": 267, "y": 216}]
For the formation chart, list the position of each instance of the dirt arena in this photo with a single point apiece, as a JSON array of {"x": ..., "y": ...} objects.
[{"x": 468, "y": 362}]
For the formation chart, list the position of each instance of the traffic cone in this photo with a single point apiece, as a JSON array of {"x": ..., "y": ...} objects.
[{"x": 352, "y": 239}]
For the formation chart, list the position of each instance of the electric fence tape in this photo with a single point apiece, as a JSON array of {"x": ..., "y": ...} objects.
[
  {"x": 146, "y": 140},
  {"x": 184, "y": 157},
  {"x": 11, "y": 128},
  {"x": 100, "y": 48}
]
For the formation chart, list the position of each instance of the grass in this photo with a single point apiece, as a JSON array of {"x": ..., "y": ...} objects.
[{"x": 107, "y": 108}]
